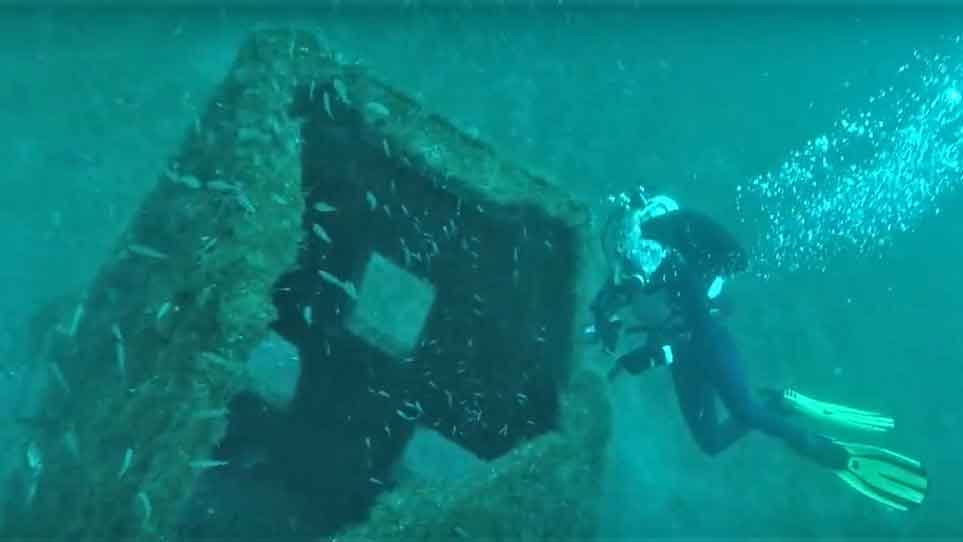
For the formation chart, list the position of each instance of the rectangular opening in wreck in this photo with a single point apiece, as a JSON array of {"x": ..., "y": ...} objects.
[
  {"x": 424, "y": 306},
  {"x": 418, "y": 300}
]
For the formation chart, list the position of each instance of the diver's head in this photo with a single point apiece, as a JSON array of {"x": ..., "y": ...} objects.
[{"x": 628, "y": 252}]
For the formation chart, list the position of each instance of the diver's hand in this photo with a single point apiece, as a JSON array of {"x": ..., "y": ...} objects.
[
  {"x": 608, "y": 332},
  {"x": 722, "y": 306}
]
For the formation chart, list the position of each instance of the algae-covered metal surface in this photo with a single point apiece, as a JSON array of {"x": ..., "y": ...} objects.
[
  {"x": 546, "y": 489},
  {"x": 154, "y": 351},
  {"x": 423, "y": 281}
]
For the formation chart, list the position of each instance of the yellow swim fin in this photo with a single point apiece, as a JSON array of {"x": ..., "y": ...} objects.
[
  {"x": 885, "y": 476},
  {"x": 853, "y": 418}
]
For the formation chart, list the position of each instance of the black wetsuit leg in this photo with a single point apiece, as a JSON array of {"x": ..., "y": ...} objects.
[
  {"x": 696, "y": 394},
  {"x": 709, "y": 366},
  {"x": 608, "y": 300}
]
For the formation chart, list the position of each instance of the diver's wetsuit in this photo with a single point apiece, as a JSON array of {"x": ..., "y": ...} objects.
[{"x": 705, "y": 363}]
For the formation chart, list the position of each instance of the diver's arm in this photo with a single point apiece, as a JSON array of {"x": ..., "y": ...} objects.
[
  {"x": 610, "y": 298},
  {"x": 650, "y": 355},
  {"x": 613, "y": 296}
]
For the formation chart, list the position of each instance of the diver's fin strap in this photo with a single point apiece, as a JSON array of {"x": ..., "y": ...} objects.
[
  {"x": 845, "y": 416},
  {"x": 885, "y": 476}
]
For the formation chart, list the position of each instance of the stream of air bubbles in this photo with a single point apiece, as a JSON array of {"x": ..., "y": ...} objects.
[{"x": 878, "y": 172}]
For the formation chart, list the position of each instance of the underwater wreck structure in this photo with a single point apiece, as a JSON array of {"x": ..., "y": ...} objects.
[{"x": 423, "y": 281}]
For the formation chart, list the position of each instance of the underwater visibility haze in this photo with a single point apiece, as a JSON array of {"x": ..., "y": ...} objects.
[{"x": 367, "y": 272}]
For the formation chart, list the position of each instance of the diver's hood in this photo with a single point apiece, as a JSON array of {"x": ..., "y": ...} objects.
[
  {"x": 704, "y": 243},
  {"x": 636, "y": 240}
]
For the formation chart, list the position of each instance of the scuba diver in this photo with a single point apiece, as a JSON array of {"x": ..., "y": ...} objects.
[{"x": 669, "y": 266}]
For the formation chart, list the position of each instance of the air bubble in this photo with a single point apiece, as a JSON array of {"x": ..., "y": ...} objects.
[{"x": 953, "y": 96}]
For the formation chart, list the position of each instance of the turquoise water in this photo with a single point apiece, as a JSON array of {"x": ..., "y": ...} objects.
[{"x": 695, "y": 102}]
